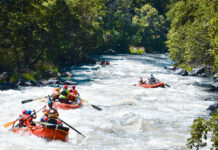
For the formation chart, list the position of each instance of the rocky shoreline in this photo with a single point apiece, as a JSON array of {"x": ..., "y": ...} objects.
[
  {"x": 51, "y": 80},
  {"x": 204, "y": 72}
]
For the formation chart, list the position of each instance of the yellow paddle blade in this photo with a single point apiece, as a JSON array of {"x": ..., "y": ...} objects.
[
  {"x": 9, "y": 124},
  {"x": 84, "y": 100},
  {"x": 43, "y": 99}
]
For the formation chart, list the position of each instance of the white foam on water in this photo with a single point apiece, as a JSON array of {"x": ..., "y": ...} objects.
[{"x": 132, "y": 117}]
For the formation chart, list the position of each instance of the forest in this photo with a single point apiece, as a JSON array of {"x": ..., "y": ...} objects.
[{"x": 37, "y": 35}]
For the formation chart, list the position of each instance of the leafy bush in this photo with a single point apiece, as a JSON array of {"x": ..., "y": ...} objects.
[{"x": 200, "y": 130}]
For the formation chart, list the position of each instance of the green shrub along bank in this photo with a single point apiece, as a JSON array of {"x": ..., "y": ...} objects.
[
  {"x": 192, "y": 38},
  {"x": 201, "y": 129}
]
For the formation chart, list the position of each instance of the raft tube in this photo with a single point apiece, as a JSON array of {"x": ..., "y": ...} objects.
[
  {"x": 67, "y": 106},
  {"x": 155, "y": 85},
  {"x": 51, "y": 133}
]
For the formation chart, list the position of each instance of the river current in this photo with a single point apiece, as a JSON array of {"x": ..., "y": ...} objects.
[{"x": 132, "y": 117}]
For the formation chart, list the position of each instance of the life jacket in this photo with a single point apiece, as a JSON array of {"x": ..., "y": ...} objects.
[
  {"x": 52, "y": 113},
  {"x": 55, "y": 93},
  {"x": 64, "y": 92},
  {"x": 27, "y": 122},
  {"x": 153, "y": 79},
  {"x": 74, "y": 91},
  {"x": 52, "y": 117}
]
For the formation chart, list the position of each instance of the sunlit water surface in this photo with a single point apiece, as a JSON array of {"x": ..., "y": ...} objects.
[{"x": 133, "y": 118}]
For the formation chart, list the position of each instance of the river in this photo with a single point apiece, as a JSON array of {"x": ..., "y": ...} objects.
[{"x": 133, "y": 118}]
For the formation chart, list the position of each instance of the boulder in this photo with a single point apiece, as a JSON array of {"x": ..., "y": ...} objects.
[
  {"x": 215, "y": 86},
  {"x": 181, "y": 71},
  {"x": 197, "y": 71},
  {"x": 69, "y": 82},
  {"x": 52, "y": 81},
  {"x": 58, "y": 74},
  {"x": 170, "y": 67},
  {"x": 202, "y": 75},
  {"x": 211, "y": 99},
  {"x": 50, "y": 73},
  {"x": 26, "y": 83},
  {"x": 215, "y": 76},
  {"x": 213, "y": 108},
  {"x": 110, "y": 51},
  {"x": 67, "y": 74},
  {"x": 4, "y": 76}
]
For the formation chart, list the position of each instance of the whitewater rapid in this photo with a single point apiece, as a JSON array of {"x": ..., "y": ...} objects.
[{"x": 133, "y": 118}]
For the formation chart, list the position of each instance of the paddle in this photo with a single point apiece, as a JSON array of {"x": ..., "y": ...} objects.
[
  {"x": 167, "y": 85},
  {"x": 30, "y": 100},
  {"x": 29, "y": 117},
  {"x": 164, "y": 83},
  {"x": 96, "y": 107},
  {"x": 9, "y": 123},
  {"x": 71, "y": 127}
]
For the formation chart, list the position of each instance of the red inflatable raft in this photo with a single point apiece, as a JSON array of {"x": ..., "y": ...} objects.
[
  {"x": 51, "y": 133},
  {"x": 67, "y": 106},
  {"x": 154, "y": 85}
]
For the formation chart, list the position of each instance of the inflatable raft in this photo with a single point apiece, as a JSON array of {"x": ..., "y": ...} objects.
[
  {"x": 154, "y": 85},
  {"x": 67, "y": 106},
  {"x": 51, "y": 132}
]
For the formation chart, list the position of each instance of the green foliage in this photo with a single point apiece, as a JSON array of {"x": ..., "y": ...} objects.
[
  {"x": 192, "y": 36},
  {"x": 186, "y": 67},
  {"x": 28, "y": 76},
  {"x": 14, "y": 77},
  {"x": 149, "y": 28},
  {"x": 64, "y": 32},
  {"x": 200, "y": 130},
  {"x": 136, "y": 50}
]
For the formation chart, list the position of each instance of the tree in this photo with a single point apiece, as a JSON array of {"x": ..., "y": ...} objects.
[
  {"x": 150, "y": 30},
  {"x": 191, "y": 38},
  {"x": 200, "y": 130}
]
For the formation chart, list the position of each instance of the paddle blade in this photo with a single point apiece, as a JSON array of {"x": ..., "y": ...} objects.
[
  {"x": 96, "y": 107},
  {"x": 43, "y": 99},
  {"x": 27, "y": 101},
  {"x": 84, "y": 100},
  {"x": 167, "y": 85},
  {"x": 9, "y": 123}
]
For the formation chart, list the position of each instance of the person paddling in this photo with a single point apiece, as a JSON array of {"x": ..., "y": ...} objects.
[
  {"x": 102, "y": 63},
  {"x": 28, "y": 122},
  {"x": 141, "y": 81},
  {"x": 63, "y": 98},
  {"x": 51, "y": 114},
  {"x": 56, "y": 92},
  {"x": 74, "y": 94}
]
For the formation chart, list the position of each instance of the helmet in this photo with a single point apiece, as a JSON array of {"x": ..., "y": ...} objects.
[
  {"x": 73, "y": 86},
  {"x": 28, "y": 112},
  {"x": 151, "y": 75},
  {"x": 65, "y": 86},
  {"x": 46, "y": 113},
  {"x": 24, "y": 111},
  {"x": 50, "y": 103},
  {"x": 57, "y": 89}
]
